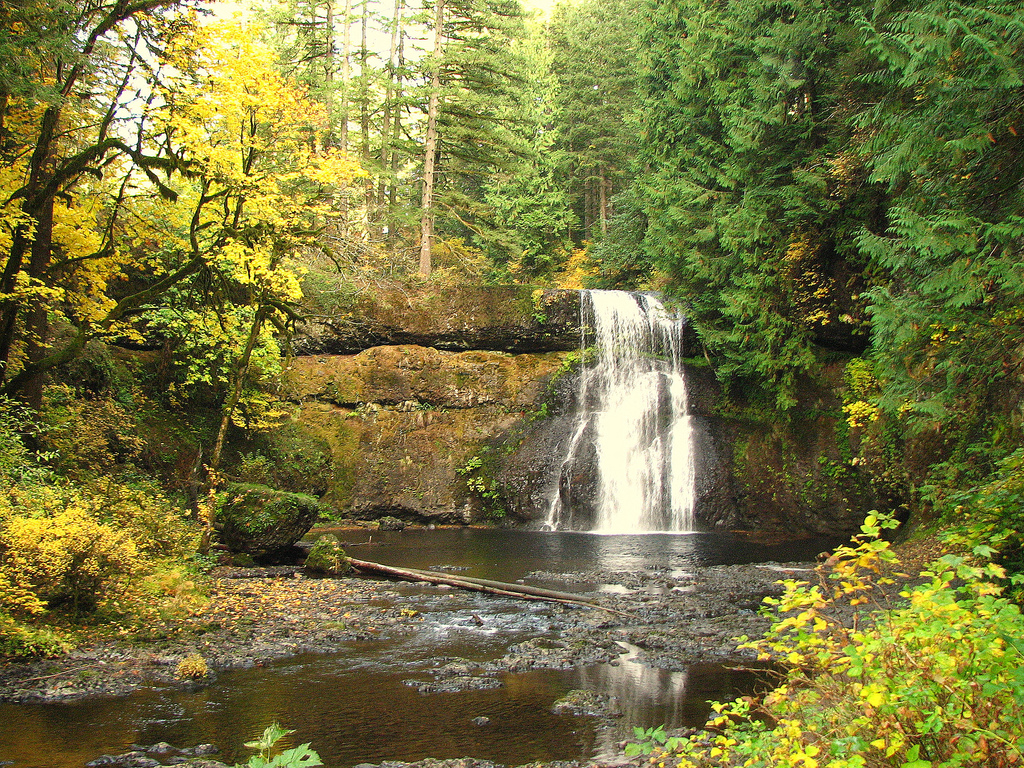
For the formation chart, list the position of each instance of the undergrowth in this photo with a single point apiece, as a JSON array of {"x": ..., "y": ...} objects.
[{"x": 933, "y": 678}]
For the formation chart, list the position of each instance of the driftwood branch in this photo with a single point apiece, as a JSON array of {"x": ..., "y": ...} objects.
[{"x": 488, "y": 586}]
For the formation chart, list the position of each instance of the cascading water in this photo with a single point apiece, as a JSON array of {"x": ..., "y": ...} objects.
[{"x": 632, "y": 438}]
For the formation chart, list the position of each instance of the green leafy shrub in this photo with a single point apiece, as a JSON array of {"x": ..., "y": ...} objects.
[
  {"x": 991, "y": 517},
  {"x": 296, "y": 757},
  {"x": 19, "y": 640},
  {"x": 934, "y": 680},
  {"x": 328, "y": 556},
  {"x": 88, "y": 436}
]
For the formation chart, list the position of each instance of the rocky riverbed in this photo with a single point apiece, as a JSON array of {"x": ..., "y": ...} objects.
[{"x": 666, "y": 619}]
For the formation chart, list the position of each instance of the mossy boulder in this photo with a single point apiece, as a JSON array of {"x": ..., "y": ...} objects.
[
  {"x": 327, "y": 556},
  {"x": 389, "y": 523},
  {"x": 262, "y": 521}
]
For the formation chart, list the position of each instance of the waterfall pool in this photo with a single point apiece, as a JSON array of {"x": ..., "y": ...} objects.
[{"x": 362, "y": 705}]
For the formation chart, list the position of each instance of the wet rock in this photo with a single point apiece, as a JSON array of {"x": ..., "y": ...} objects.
[
  {"x": 481, "y": 721},
  {"x": 580, "y": 702},
  {"x": 160, "y": 748},
  {"x": 389, "y": 523},
  {"x": 135, "y": 759},
  {"x": 497, "y": 318}
]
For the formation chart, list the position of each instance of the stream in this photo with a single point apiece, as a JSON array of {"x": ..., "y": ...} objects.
[{"x": 372, "y": 701}]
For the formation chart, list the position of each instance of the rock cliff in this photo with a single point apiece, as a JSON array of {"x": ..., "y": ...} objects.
[
  {"x": 457, "y": 408},
  {"x": 410, "y": 392}
]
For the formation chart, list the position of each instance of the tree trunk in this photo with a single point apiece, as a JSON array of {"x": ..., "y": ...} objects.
[
  {"x": 602, "y": 191},
  {"x": 346, "y": 72},
  {"x": 396, "y": 134},
  {"x": 364, "y": 116},
  {"x": 390, "y": 89},
  {"x": 430, "y": 149},
  {"x": 207, "y": 509},
  {"x": 329, "y": 137},
  {"x": 522, "y": 591}
]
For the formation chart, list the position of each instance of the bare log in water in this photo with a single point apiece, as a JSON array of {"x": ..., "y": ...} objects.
[{"x": 521, "y": 591}]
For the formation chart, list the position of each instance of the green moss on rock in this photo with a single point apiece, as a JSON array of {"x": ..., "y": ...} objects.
[
  {"x": 327, "y": 556},
  {"x": 262, "y": 521}
]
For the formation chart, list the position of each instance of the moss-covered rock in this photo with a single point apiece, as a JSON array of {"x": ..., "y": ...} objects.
[
  {"x": 510, "y": 318},
  {"x": 389, "y": 523},
  {"x": 262, "y": 521},
  {"x": 327, "y": 556},
  {"x": 400, "y": 422}
]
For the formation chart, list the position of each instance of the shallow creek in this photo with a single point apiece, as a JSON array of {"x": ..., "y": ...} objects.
[{"x": 371, "y": 701}]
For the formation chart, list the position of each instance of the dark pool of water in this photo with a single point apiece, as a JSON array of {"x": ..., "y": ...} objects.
[
  {"x": 511, "y": 555},
  {"x": 357, "y": 706}
]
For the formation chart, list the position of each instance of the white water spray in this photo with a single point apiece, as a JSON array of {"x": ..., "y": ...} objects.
[{"x": 633, "y": 409}]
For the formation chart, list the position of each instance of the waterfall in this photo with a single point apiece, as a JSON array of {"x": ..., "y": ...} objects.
[{"x": 631, "y": 443}]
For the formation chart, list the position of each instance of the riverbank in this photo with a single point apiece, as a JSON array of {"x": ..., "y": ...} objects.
[{"x": 258, "y": 615}]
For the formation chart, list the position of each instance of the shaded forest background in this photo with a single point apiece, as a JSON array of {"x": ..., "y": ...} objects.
[{"x": 813, "y": 183}]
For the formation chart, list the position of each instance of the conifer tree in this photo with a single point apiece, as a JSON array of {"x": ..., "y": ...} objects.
[{"x": 749, "y": 189}]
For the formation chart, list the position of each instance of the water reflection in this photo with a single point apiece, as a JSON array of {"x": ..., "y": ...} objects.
[
  {"x": 355, "y": 706},
  {"x": 511, "y": 555}
]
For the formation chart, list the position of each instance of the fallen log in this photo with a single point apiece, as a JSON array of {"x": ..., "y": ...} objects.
[{"x": 487, "y": 586}]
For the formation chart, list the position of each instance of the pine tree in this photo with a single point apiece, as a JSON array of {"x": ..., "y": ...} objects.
[
  {"x": 943, "y": 138},
  {"x": 749, "y": 189}
]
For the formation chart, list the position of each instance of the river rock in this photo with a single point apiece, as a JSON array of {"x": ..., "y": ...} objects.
[{"x": 262, "y": 521}]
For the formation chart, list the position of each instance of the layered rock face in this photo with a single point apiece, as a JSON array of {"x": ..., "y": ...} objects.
[
  {"x": 459, "y": 408},
  {"x": 411, "y": 394}
]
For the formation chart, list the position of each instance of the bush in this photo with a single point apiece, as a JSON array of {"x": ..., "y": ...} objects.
[
  {"x": 20, "y": 641},
  {"x": 192, "y": 667},
  {"x": 327, "y": 556},
  {"x": 936, "y": 681},
  {"x": 69, "y": 559},
  {"x": 89, "y": 436}
]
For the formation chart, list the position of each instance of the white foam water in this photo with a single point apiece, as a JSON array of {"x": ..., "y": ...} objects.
[{"x": 633, "y": 407}]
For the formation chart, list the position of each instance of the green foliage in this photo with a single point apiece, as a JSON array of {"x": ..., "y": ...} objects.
[
  {"x": 88, "y": 436},
  {"x": 206, "y": 347},
  {"x": 942, "y": 138},
  {"x": 296, "y": 757},
  {"x": 932, "y": 680},
  {"x": 745, "y": 212},
  {"x": 478, "y": 474},
  {"x": 19, "y": 640},
  {"x": 327, "y": 556},
  {"x": 650, "y": 739},
  {"x": 595, "y": 47},
  {"x": 989, "y": 519},
  {"x": 288, "y": 458}
]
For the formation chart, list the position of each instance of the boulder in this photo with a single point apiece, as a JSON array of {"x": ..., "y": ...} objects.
[
  {"x": 328, "y": 557},
  {"x": 262, "y": 521}
]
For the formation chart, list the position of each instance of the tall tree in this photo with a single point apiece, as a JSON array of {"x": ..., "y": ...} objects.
[
  {"x": 430, "y": 144},
  {"x": 595, "y": 52},
  {"x": 944, "y": 138},
  {"x": 750, "y": 192},
  {"x": 69, "y": 105}
]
